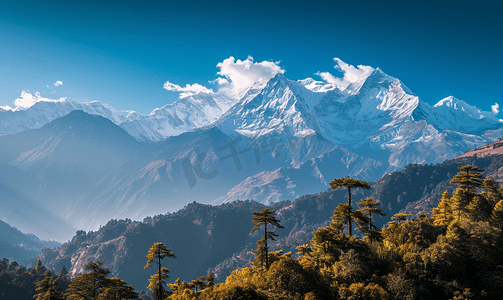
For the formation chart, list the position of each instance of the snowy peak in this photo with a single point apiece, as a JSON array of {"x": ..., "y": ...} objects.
[
  {"x": 184, "y": 115},
  {"x": 381, "y": 92},
  {"x": 455, "y": 106},
  {"x": 279, "y": 105}
]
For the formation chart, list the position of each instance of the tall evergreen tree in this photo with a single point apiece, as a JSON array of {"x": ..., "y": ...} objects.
[
  {"x": 155, "y": 254},
  {"x": 63, "y": 278},
  {"x": 117, "y": 289},
  {"x": 265, "y": 217},
  {"x": 442, "y": 214},
  {"x": 468, "y": 180},
  {"x": 491, "y": 191},
  {"x": 89, "y": 285},
  {"x": 48, "y": 288},
  {"x": 497, "y": 215},
  {"x": 370, "y": 207},
  {"x": 349, "y": 183}
]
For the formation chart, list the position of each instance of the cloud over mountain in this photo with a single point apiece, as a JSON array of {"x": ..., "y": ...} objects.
[{"x": 27, "y": 100}]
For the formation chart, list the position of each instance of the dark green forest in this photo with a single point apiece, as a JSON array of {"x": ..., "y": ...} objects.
[{"x": 456, "y": 253}]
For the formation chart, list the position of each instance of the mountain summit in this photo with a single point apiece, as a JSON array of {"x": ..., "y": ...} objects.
[{"x": 281, "y": 140}]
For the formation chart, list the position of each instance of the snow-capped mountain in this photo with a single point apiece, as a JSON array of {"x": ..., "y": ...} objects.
[
  {"x": 182, "y": 116},
  {"x": 279, "y": 141},
  {"x": 44, "y": 112}
]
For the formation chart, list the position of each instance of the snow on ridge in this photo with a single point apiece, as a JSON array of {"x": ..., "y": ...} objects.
[{"x": 454, "y": 104}]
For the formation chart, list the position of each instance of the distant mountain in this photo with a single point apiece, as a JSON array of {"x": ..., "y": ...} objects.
[
  {"x": 18, "y": 246},
  {"x": 218, "y": 239},
  {"x": 29, "y": 216},
  {"x": 201, "y": 236},
  {"x": 280, "y": 141},
  {"x": 44, "y": 112},
  {"x": 182, "y": 116},
  {"x": 62, "y": 159}
]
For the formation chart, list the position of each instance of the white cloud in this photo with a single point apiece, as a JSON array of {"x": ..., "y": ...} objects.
[
  {"x": 495, "y": 108},
  {"x": 58, "y": 83},
  {"x": 237, "y": 76},
  {"x": 240, "y": 75},
  {"x": 351, "y": 74},
  {"x": 188, "y": 90},
  {"x": 27, "y": 100}
]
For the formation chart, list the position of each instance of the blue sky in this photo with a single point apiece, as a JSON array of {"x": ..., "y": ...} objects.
[{"x": 122, "y": 52}]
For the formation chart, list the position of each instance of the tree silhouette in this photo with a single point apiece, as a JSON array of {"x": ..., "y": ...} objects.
[
  {"x": 349, "y": 183},
  {"x": 265, "y": 217},
  {"x": 155, "y": 254}
]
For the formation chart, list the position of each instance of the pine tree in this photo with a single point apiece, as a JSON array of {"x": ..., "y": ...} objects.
[
  {"x": 479, "y": 209},
  {"x": 48, "y": 288},
  {"x": 400, "y": 217},
  {"x": 89, "y": 285},
  {"x": 117, "y": 289},
  {"x": 349, "y": 183},
  {"x": 497, "y": 215},
  {"x": 370, "y": 207},
  {"x": 63, "y": 278},
  {"x": 491, "y": 191},
  {"x": 442, "y": 214},
  {"x": 265, "y": 217},
  {"x": 468, "y": 180},
  {"x": 155, "y": 254}
]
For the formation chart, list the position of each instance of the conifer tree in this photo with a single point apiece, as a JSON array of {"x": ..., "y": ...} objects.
[
  {"x": 349, "y": 183},
  {"x": 400, "y": 217},
  {"x": 497, "y": 215},
  {"x": 479, "y": 209},
  {"x": 89, "y": 285},
  {"x": 63, "y": 279},
  {"x": 344, "y": 214},
  {"x": 491, "y": 191},
  {"x": 442, "y": 214},
  {"x": 155, "y": 254},
  {"x": 370, "y": 207},
  {"x": 468, "y": 180},
  {"x": 175, "y": 286},
  {"x": 48, "y": 288},
  {"x": 265, "y": 217},
  {"x": 117, "y": 289}
]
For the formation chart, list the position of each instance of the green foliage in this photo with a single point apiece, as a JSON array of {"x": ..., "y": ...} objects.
[
  {"x": 48, "y": 288},
  {"x": 89, "y": 285}
]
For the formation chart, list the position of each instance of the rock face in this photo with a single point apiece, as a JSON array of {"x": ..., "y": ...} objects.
[{"x": 280, "y": 141}]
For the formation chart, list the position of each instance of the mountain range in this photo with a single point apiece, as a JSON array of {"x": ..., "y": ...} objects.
[
  {"x": 88, "y": 163},
  {"x": 207, "y": 238}
]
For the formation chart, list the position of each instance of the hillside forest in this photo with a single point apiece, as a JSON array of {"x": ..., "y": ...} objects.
[{"x": 456, "y": 253}]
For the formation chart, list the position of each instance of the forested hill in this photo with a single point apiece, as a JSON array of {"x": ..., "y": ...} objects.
[
  {"x": 217, "y": 238},
  {"x": 418, "y": 188},
  {"x": 201, "y": 236}
]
